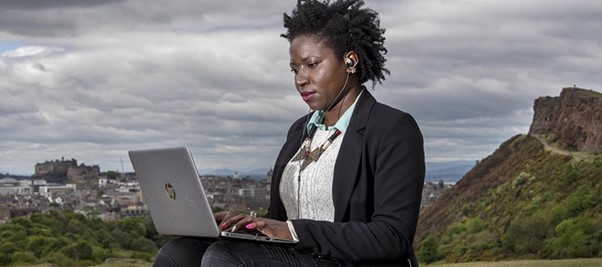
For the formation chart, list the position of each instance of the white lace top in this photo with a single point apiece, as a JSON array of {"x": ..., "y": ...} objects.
[{"x": 313, "y": 198}]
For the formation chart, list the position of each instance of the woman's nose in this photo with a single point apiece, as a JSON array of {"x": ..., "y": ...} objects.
[{"x": 301, "y": 78}]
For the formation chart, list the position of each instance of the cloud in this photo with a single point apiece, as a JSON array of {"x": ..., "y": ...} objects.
[
  {"x": 31, "y": 51},
  {"x": 92, "y": 79},
  {"x": 75, "y": 18}
]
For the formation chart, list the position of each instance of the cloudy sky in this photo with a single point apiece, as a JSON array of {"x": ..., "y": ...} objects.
[{"x": 90, "y": 79}]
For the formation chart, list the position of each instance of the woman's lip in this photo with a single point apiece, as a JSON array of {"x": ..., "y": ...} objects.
[{"x": 307, "y": 95}]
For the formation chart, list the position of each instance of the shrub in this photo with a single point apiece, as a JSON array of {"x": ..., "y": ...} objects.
[
  {"x": 573, "y": 239},
  {"x": 58, "y": 258},
  {"x": 81, "y": 250},
  {"x": 429, "y": 250},
  {"x": 37, "y": 244},
  {"x": 100, "y": 254},
  {"x": 24, "y": 257},
  {"x": 7, "y": 248},
  {"x": 5, "y": 259},
  {"x": 474, "y": 225},
  {"x": 526, "y": 234},
  {"x": 143, "y": 245}
]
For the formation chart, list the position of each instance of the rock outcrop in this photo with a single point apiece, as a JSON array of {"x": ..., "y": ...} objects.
[{"x": 572, "y": 121}]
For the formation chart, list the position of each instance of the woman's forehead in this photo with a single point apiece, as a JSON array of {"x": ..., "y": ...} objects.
[{"x": 309, "y": 45}]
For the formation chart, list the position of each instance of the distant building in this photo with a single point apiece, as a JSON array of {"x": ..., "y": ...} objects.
[
  {"x": 58, "y": 171},
  {"x": 11, "y": 186},
  {"x": 269, "y": 176},
  {"x": 49, "y": 190}
]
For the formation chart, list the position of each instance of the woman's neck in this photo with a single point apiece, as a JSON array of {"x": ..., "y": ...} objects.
[{"x": 332, "y": 116}]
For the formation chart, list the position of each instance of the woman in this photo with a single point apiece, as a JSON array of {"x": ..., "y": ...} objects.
[{"x": 347, "y": 183}]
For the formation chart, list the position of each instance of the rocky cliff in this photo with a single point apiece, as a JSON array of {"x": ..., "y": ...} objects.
[
  {"x": 529, "y": 199},
  {"x": 572, "y": 121}
]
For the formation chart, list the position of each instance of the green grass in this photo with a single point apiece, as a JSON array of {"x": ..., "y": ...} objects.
[
  {"x": 124, "y": 263},
  {"x": 597, "y": 262},
  {"x": 115, "y": 262},
  {"x": 585, "y": 156}
]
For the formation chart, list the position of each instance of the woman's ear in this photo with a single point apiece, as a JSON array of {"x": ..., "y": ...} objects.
[{"x": 351, "y": 59}]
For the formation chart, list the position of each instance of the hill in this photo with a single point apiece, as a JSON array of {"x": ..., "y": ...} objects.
[
  {"x": 65, "y": 238},
  {"x": 524, "y": 200},
  {"x": 448, "y": 172}
]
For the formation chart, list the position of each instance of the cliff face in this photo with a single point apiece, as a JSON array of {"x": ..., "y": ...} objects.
[{"x": 572, "y": 121}]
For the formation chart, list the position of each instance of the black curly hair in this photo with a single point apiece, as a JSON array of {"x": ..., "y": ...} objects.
[{"x": 345, "y": 26}]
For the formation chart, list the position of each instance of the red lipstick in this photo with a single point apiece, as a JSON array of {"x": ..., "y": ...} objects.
[{"x": 307, "y": 96}]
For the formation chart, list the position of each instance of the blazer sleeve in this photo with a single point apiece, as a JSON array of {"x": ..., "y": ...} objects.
[{"x": 391, "y": 176}]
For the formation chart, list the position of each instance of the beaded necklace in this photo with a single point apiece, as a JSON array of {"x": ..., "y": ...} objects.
[{"x": 309, "y": 156}]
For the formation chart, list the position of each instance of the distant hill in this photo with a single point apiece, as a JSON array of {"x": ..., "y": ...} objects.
[
  {"x": 18, "y": 177},
  {"x": 448, "y": 172},
  {"x": 529, "y": 199},
  {"x": 256, "y": 174}
]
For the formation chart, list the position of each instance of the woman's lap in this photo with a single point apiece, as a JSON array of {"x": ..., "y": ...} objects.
[
  {"x": 203, "y": 252},
  {"x": 182, "y": 252}
]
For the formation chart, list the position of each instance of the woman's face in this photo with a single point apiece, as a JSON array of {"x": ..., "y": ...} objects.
[{"x": 319, "y": 74}]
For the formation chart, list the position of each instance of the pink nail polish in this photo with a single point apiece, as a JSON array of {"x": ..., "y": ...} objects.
[{"x": 249, "y": 226}]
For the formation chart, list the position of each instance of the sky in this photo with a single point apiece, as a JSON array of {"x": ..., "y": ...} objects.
[{"x": 90, "y": 80}]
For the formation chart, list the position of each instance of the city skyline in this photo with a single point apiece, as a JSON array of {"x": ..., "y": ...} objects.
[{"x": 91, "y": 80}]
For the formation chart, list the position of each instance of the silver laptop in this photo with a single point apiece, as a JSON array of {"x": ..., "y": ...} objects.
[{"x": 175, "y": 197}]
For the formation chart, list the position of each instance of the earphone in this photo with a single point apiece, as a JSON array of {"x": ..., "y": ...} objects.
[{"x": 349, "y": 62}]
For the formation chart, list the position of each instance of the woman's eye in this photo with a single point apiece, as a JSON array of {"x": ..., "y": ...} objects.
[{"x": 294, "y": 71}]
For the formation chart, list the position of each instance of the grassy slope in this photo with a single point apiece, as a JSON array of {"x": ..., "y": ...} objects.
[
  {"x": 512, "y": 202},
  {"x": 527, "y": 263}
]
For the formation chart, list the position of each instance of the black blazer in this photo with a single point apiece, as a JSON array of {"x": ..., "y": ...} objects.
[{"x": 377, "y": 188}]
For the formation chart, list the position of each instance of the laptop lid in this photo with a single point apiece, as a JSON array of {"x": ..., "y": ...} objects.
[{"x": 173, "y": 192}]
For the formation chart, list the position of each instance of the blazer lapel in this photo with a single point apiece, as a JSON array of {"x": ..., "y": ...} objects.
[
  {"x": 349, "y": 158},
  {"x": 290, "y": 147}
]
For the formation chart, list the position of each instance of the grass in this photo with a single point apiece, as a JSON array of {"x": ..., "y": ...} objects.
[
  {"x": 586, "y": 156},
  {"x": 114, "y": 262},
  {"x": 124, "y": 263},
  {"x": 597, "y": 262}
]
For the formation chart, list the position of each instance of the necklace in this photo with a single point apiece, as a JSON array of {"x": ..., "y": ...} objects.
[{"x": 309, "y": 156}]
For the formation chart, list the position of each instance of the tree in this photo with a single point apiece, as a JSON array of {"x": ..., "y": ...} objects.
[
  {"x": 429, "y": 250},
  {"x": 5, "y": 259},
  {"x": 37, "y": 244},
  {"x": 81, "y": 250}
]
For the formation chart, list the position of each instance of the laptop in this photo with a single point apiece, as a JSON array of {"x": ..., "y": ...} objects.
[{"x": 173, "y": 192}]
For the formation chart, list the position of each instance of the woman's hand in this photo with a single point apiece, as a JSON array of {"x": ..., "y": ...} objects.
[
  {"x": 271, "y": 228},
  {"x": 227, "y": 219},
  {"x": 236, "y": 221}
]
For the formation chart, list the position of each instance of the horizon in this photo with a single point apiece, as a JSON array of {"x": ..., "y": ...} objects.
[
  {"x": 431, "y": 167},
  {"x": 91, "y": 81}
]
